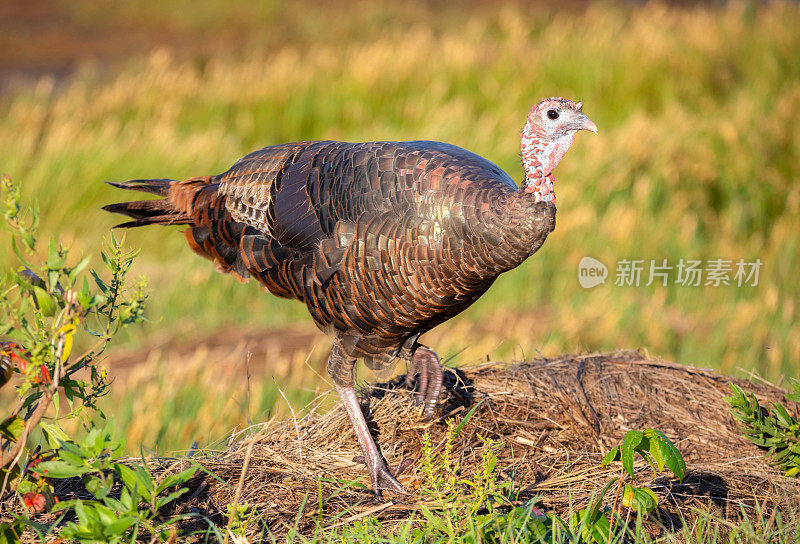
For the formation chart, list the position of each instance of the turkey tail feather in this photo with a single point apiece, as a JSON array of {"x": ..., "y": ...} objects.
[
  {"x": 195, "y": 202},
  {"x": 158, "y": 187},
  {"x": 148, "y": 212},
  {"x": 170, "y": 210}
]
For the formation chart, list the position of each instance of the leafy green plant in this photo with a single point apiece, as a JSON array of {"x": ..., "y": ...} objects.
[
  {"x": 446, "y": 490},
  {"x": 773, "y": 429},
  {"x": 480, "y": 508},
  {"x": 597, "y": 524},
  {"x": 524, "y": 523},
  {"x": 44, "y": 312},
  {"x": 240, "y": 517},
  {"x": 112, "y": 519},
  {"x": 46, "y": 309}
]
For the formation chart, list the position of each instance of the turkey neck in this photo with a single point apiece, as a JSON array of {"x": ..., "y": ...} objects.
[
  {"x": 540, "y": 156},
  {"x": 512, "y": 228}
]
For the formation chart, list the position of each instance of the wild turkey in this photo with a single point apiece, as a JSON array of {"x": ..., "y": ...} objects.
[{"x": 382, "y": 241}]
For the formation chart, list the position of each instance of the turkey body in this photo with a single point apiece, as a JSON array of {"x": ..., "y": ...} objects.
[{"x": 382, "y": 241}]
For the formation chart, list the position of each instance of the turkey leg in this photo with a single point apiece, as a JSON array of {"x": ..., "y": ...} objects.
[{"x": 341, "y": 370}]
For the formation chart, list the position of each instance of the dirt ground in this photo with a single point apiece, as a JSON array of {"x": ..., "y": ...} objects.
[{"x": 257, "y": 344}]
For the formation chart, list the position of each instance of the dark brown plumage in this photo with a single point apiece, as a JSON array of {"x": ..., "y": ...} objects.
[{"x": 382, "y": 241}]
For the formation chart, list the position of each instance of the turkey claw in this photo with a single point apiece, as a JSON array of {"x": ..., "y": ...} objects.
[
  {"x": 384, "y": 477},
  {"x": 425, "y": 364}
]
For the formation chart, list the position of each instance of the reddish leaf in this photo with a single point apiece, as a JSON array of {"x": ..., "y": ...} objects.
[
  {"x": 35, "y": 502},
  {"x": 16, "y": 354},
  {"x": 535, "y": 512},
  {"x": 44, "y": 375}
]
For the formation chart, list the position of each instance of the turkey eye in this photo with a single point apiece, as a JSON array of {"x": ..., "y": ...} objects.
[{"x": 552, "y": 114}]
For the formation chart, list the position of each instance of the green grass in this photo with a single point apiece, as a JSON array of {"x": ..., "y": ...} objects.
[
  {"x": 698, "y": 157},
  {"x": 508, "y": 529},
  {"x": 708, "y": 530}
]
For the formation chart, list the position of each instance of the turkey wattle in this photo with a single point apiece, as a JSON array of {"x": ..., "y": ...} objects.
[{"x": 382, "y": 241}]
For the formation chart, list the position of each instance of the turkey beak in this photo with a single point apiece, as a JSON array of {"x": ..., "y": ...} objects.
[{"x": 584, "y": 123}]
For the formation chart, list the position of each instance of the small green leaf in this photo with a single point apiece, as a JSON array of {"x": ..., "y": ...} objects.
[
  {"x": 641, "y": 499},
  {"x": 171, "y": 497},
  {"x": 55, "y": 258},
  {"x": 55, "y": 436},
  {"x": 104, "y": 513},
  {"x": 17, "y": 252},
  {"x": 783, "y": 416},
  {"x": 646, "y": 456},
  {"x": 126, "y": 499},
  {"x": 64, "y": 505},
  {"x": 11, "y": 428},
  {"x": 599, "y": 530},
  {"x": 99, "y": 487},
  {"x": 101, "y": 442},
  {"x": 77, "y": 269},
  {"x": 629, "y": 444},
  {"x": 72, "y": 458},
  {"x": 466, "y": 419},
  {"x": 26, "y": 486},
  {"x": 89, "y": 442},
  {"x": 137, "y": 481},
  {"x": 100, "y": 283},
  {"x": 795, "y": 395},
  {"x": 80, "y": 511},
  {"x": 655, "y": 449},
  {"x": 52, "y": 279},
  {"x": 85, "y": 294},
  {"x": 110, "y": 262},
  {"x": 738, "y": 393},
  {"x": 592, "y": 529},
  {"x": 611, "y": 456},
  {"x": 114, "y": 504},
  {"x": 45, "y": 302},
  {"x": 176, "y": 479},
  {"x": 593, "y": 510},
  {"x": 118, "y": 528},
  {"x": 60, "y": 469},
  {"x": 669, "y": 453},
  {"x": 644, "y": 443}
]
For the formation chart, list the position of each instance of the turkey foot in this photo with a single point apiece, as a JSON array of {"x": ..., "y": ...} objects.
[
  {"x": 396, "y": 470},
  {"x": 379, "y": 473},
  {"x": 425, "y": 363}
]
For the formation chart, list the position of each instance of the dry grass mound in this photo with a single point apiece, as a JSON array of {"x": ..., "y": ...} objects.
[{"x": 555, "y": 417}]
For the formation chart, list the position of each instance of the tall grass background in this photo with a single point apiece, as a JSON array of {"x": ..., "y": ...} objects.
[{"x": 698, "y": 157}]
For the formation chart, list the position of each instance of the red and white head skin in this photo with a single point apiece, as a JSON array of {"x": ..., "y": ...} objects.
[{"x": 546, "y": 137}]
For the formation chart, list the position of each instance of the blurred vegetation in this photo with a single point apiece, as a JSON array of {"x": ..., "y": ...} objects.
[{"x": 698, "y": 157}]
